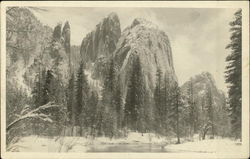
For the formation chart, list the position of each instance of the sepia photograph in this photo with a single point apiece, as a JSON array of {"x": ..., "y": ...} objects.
[{"x": 80, "y": 79}]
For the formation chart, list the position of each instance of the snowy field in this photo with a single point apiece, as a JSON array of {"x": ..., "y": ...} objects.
[{"x": 135, "y": 142}]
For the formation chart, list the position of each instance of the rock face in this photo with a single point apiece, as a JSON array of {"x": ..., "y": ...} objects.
[
  {"x": 55, "y": 57},
  {"x": 75, "y": 57},
  {"x": 26, "y": 36},
  {"x": 201, "y": 83},
  {"x": 66, "y": 37},
  {"x": 142, "y": 39},
  {"x": 33, "y": 47},
  {"x": 102, "y": 41},
  {"x": 151, "y": 45}
]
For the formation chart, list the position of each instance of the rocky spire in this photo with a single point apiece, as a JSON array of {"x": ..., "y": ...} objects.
[
  {"x": 66, "y": 36},
  {"x": 102, "y": 41}
]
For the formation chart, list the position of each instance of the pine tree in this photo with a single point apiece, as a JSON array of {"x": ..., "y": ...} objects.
[
  {"x": 52, "y": 93},
  {"x": 37, "y": 94},
  {"x": 108, "y": 101},
  {"x": 233, "y": 74},
  {"x": 92, "y": 111},
  {"x": 146, "y": 114},
  {"x": 204, "y": 126},
  {"x": 48, "y": 92},
  {"x": 82, "y": 92},
  {"x": 166, "y": 101},
  {"x": 210, "y": 111},
  {"x": 70, "y": 97},
  {"x": 158, "y": 98},
  {"x": 135, "y": 96},
  {"x": 109, "y": 85},
  {"x": 39, "y": 98},
  {"x": 191, "y": 108},
  {"x": 221, "y": 118},
  {"x": 100, "y": 119},
  {"x": 118, "y": 103},
  {"x": 176, "y": 109}
]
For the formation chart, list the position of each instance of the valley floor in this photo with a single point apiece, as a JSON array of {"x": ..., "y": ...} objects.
[{"x": 135, "y": 142}]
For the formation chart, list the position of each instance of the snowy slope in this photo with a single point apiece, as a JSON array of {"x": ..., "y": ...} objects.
[{"x": 225, "y": 146}]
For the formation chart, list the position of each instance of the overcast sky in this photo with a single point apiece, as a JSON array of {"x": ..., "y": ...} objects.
[{"x": 198, "y": 36}]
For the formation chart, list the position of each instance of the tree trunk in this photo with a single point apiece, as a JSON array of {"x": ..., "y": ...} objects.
[
  {"x": 204, "y": 136},
  {"x": 212, "y": 130}
]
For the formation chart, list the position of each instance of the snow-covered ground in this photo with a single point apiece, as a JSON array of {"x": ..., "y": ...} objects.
[
  {"x": 135, "y": 142},
  {"x": 224, "y": 146}
]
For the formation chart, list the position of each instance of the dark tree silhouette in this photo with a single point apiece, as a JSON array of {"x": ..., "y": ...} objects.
[
  {"x": 233, "y": 74},
  {"x": 135, "y": 96}
]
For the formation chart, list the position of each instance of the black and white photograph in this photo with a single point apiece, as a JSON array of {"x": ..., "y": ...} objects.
[{"x": 133, "y": 79}]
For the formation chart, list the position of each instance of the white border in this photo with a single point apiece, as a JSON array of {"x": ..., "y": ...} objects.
[{"x": 174, "y": 4}]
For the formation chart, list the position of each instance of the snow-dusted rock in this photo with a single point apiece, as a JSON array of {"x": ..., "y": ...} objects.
[
  {"x": 201, "y": 83},
  {"x": 151, "y": 45},
  {"x": 102, "y": 41}
]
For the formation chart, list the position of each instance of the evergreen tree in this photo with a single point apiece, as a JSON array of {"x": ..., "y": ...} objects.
[
  {"x": 176, "y": 109},
  {"x": 82, "y": 92},
  {"x": 118, "y": 103},
  {"x": 222, "y": 120},
  {"x": 48, "y": 92},
  {"x": 158, "y": 98},
  {"x": 100, "y": 119},
  {"x": 233, "y": 74},
  {"x": 70, "y": 97},
  {"x": 191, "y": 108},
  {"x": 204, "y": 126},
  {"x": 53, "y": 92},
  {"x": 135, "y": 96},
  {"x": 109, "y": 86},
  {"x": 39, "y": 97},
  {"x": 166, "y": 102},
  {"x": 108, "y": 101},
  {"x": 210, "y": 111},
  {"x": 92, "y": 112},
  {"x": 37, "y": 93},
  {"x": 146, "y": 114},
  {"x": 53, "y": 88}
]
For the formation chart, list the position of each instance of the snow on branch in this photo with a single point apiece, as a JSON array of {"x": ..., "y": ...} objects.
[{"x": 35, "y": 113}]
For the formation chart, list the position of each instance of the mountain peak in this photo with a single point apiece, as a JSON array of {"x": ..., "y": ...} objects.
[
  {"x": 143, "y": 39},
  {"x": 101, "y": 42},
  {"x": 207, "y": 75},
  {"x": 203, "y": 80},
  {"x": 113, "y": 15},
  {"x": 143, "y": 22},
  {"x": 66, "y": 25}
]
